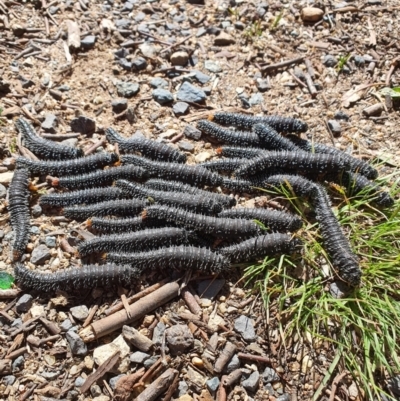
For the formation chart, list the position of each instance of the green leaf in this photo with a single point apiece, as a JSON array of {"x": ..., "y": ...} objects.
[
  {"x": 6, "y": 280},
  {"x": 392, "y": 92}
]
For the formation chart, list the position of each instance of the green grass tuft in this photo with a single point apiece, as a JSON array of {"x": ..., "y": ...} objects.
[{"x": 363, "y": 327}]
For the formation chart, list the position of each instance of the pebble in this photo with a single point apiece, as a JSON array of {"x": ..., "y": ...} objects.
[
  {"x": 127, "y": 89},
  {"x": 35, "y": 230},
  {"x": 359, "y": 60},
  {"x": 9, "y": 380},
  {"x": 78, "y": 347},
  {"x": 113, "y": 381},
  {"x": 179, "y": 338},
  {"x": 269, "y": 376},
  {"x": 198, "y": 362},
  {"x": 212, "y": 385},
  {"x": 245, "y": 327},
  {"x": 123, "y": 23},
  {"x": 72, "y": 142},
  {"x": 148, "y": 49},
  {"x": 3, "y": 191},
  {"x": 158, "y": 333},
  {"x": 201, "y": 77},
  {"x": 210, "y": 288},
  {"x": 283, "y": 397},
  {"x": 233, "y": 364},
  {"x": 159, "y": 83},
  {"x": 179, "y": 58},
  {"x": 192, "y": 132},
  {"x": 263, "y": 85},
  {"x": 182, "y": 388},
  {"x": 50, "y": 123},
  {"x": 5, "y": 178},
  {"x": 151, "y": 361},
  {"x": 212, "y": 66},
  {"x": 330, "y": 61},
  {"x": 338, "y": 289},
  {"x": 40, "y": 255},
  {"x": 50, "y": 375},
  {"x": 84, "y": 125},
  {"x": 101, "y": 398},
  {"x": 162, "y": 96},
  {"x": 119, "y": 105},
  {"x": 102, "y": 353},
  {"x": 80, "y": 312},
  {"x": 66, "y": 325},
  {"x": 50, "y": 241},
  {"x": 79, "y": 381},
  {"x": 24, "y": 303},
  {"x": 88, "y": 42},
  {"x": 125, "y": 64},
  {"x": 341, "y": 115},
  {"x": 186, "y": 146},
  {"x": 139, "y": 357},
  {"x": 203, "y": 156},
  {"x": 374, "y": 110},
  {"x": 190, "y": 93},
  {"x": 121, "y": 53},
  {"x": 335, "y": 127},
  {"x": 139, "y": 63},
  {"x": 36, "y": 210},
  {"x": 255, "y": 99},
  {"x": 252, "y": 382},
  {"x": 180, "y": 108},
  {"x": 18, "y": 364},
  {"x": 195, "y": 377},
  {"x": 224, "y": 39},
  {"x": 95, "y": 390}
]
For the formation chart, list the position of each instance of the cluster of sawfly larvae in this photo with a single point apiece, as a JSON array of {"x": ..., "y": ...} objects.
[{"x": 150, "y": 210}]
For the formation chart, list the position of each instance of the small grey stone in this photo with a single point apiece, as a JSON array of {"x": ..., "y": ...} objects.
[
  {"x": 80, "y": 312},
  {"x": 88, "y": 42},
  {"x": 72, "y": 142},
  {"x": 179, "y": 58},
  {"x": 121, "y": 53},
  {"x": 66, "y": 325},
  {"x": 71, "y": 395},
  {"x": 158, "y": 333},
  {"x": 24, "y": 303},
  {"x": 125, "y": 64},
  {"x": 17, "y": 322},
  {"x": 186, "y": 146},
  {"x": 36, "y": 210},
  {"x": 35, "y": 230},
  {"x": 53, "y": 10},
  {"x": 159, "y": 83},
  {"x": 151, "y": 361},
  {"x": 263, "y": 85},
  {"x": 139, "y": 357},
  {"x": 50, "y": 241},
  {"x": 338, "y": 289},
  {"x": 239, "y": 25},
  {"x": 207, "y": 90},
  {"x": 233, "y": 364},
  {"x": 224, "y": 39},
  {"x": 330, "y": 61},
  {"x": 25, "y": 82},
  {"x": 245, "y": 327},
  {"x": 140, "y": 16},
  {"x": 95, "y": 390},
  {"x": 162, "y": 96},
  {"x": 359, "y": 60},
  {"x": 252, "y": 382},
  {"x": 123, "y": 23},
  {"x": 256, "y": 98},
  {"x": 84, "y": 125},
  {"x": 212, "y": 66},
  {"x": 180, "y": 108},
  {"x": 139, "y": 64},
  {"x": 10, "y": 235},
  {"x": 345, "y": 70},
  {"x": 79, "y": 381},
  {"x": 283, "y": 397},
  {"x": 119, "y": 105},
  {"x": 127, "y": 89},
  {"x": 40, "y": 255},
  {"x": 113, "y": 381},
  {"x": 225, "y": 24},
  {"x": 9, "y": 380},
  {"x": 212, "y": 385},
  {"x": 201, "y": 31},
  {"x": 269, "y": 376},
  {"x": 335, "y": 127},
  {"x": 192, "y": 132},
  {"x": 63, "y": 88},
  {"x": 127, "y": 7},
  {"x": 261, "y": 11},
  {"x": 179, "y": 338},
  {"x": 189, "y": 93},
  {"x": 341, "y": 115},
  {"x": 210, "y": 288},
  {"x": 50, "y": 123},
  {"x": 182, "y": 388},
  {"x": 201, "y": 77},
  {"x": 245, "y": 100},
  {"x": 148, "y": 49},
  {"x": 3, "y": 191},
  {"x": 78, "y": 347},
  {"x": 50, "y": 375},
  {"x": 18, "y": 364}
]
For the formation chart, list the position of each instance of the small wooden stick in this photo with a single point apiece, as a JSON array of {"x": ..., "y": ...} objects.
[
  {"x": 282, "y": 64},
  {"x": 335, "y": 384},
  {"x": 90, "y": 316},
  {"x": 256, "y": 358},
  {"x": 225, "y": 356},
  {"x": 222, "y": 395},
  {"x": 172, "y": 389},
  {"x": 393, "y": 66},
  {"x": 191, "y": 302},
  {"x": 93, "y": 148},
  {"x": 158, "y": 386},
  {"x": 232, "y": 378}
]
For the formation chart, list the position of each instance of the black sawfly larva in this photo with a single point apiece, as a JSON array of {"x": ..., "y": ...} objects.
[
  {"x": 42, "y": 147},
  {"x": 71, "y": 167},
  {"x": 196, "y": 203},
  {"x": 18, "y": 205},
  {"x": 86, "y": 277},
  {"x": 272, "y": 140},
  {"x": 111, "y": 226},
  {"x": 177, "y": 257},
  {"x": 224, "y": 165},
  {"x": 239, "y": 152},
  {"x": 152, "y": 149}
]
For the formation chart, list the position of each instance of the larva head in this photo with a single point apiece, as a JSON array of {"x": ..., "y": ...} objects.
[
  {"x": 210, "y": 117},
  {"x": 53, "y": 181},
  {"x": 16, "y": 255},
  {"x": 218, "y": 151},
  {"x": 144, "y": 214},
  {"x": 89, "y": 223},
  {"x": 32, "y": 187},
  {"x": 103, "y": 256}
]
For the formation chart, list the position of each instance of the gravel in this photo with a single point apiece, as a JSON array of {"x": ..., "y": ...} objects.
[
  {"x": 190, "y": 93},
  {"x": 24, "y": 303},
  {"x": 162, "y": 96},
  {"x": 78, "y": 347},
  {"x": 40, "y": 255}
]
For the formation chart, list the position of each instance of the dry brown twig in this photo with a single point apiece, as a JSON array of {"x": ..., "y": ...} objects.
[{"x": 335, "y": 384}]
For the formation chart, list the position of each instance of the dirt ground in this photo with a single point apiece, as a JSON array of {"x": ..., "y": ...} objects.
[{"x": 259, "y": 58}]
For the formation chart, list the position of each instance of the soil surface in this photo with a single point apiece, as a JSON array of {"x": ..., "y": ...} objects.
[{"x": 126, "y": 65}]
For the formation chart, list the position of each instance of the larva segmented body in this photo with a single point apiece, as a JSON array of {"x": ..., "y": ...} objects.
[
  {"x": 272, "y": 140},
  {"x": 89, "y": 276},
  {"x": 259, "y": 247},
  {"x": 152, "y": 149},
  {"x": 228, "y": 136},
  {"x": 239, "y": 152},
  {"x": 74, "y": 166},
  {"x": 163, "y": 185},
  {"x": 356, "y": 165},
  {"x": 216, "y": 226},
  {"x": 239, "y": 186},
  {"x": 110, "y": 226},
  {"x": 176, "y": 257},
  {"x": 19, "y": 211},
  {"x": 225, "y": 165},
  {"x": 42, "y": 147},
  {"x": 280, "y": 124},
  {"x": 122, "y": 207},
  {"x": 293, "y": 161},
  {"x": 130, "y": 242},
  {"x": 83, "y": 196},
  {"x": 299, "y": 185},
  {"x": 101, "y": 177},
  {"x": 194, "y": 175},
  {"x": 196, "y": 203},
  {"x": 273, "y": 219}
]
